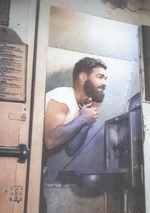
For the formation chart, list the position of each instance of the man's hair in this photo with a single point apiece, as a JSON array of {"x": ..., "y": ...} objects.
[{"x": 86, "y": 65}]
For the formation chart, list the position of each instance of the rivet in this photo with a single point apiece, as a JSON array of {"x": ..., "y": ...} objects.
[
  {"x": 23, "y": 117},
  {"x": 134, "y": 139}
]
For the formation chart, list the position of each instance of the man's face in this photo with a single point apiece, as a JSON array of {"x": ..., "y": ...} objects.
[{"x": 95, "y": 85}]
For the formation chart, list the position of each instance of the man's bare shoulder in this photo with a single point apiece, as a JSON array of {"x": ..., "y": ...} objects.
[
  {"x": 55, "y": 115},
  {"x": 57, "y": 107}
]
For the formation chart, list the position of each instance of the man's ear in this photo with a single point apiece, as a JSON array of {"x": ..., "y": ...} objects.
[{"x": 82, "y": 77}]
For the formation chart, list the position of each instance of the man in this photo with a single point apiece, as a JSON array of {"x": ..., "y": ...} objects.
[
  {"x": 66, "y": 113},
  {"x": 70, "y": 111}
]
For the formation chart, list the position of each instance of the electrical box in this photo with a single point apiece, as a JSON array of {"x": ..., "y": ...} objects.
[{"x": 123, "y": 143}]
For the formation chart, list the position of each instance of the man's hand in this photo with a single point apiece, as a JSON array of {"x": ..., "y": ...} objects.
[{"x": 88, "y": 112}]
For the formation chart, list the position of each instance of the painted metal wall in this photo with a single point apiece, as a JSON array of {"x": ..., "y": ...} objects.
[
  {"x": 135, "y": 12},
  {"x": 66, "y": 46},
  {"x": 69, "y": 198}
]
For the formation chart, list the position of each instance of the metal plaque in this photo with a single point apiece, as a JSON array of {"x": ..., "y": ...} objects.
[
  {"x": 16, "y": 193},
  {"x": 13, "y": 59}
]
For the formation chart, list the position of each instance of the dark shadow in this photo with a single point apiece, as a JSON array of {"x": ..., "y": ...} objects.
[{"x": 58, "y": 79}]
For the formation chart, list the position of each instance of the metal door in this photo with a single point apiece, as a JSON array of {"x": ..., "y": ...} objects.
[{"x": 16, "y": 62}]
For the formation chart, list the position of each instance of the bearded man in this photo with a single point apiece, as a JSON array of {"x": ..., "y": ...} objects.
[{"x": 70, "y": 110}]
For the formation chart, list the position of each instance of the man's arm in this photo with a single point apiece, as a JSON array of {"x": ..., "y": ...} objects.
[{"x": 56, "y": 132}]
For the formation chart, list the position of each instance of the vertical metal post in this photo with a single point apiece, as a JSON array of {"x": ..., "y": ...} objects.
[
  {"x": 144, "y": 58},
  {"x": 125, "y": 201}
]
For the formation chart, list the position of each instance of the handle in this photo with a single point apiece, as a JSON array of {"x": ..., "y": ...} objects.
[{"x": 22, "y": 152}]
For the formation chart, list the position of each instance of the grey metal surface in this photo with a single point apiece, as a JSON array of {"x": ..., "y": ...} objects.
[
  {"x": 93, "y": 35},
  {"x": 117, "y": 133},
  {"x": 4, "y": 11},
  {"x": 69, "y": 43},
  {"x": 74, "y": 200},
  {"x": 94, "y": 7},
  {"x": 9, "y": 35},
  {"x": 146, "y": 126},
  {"x": 123, "y": 145},
  {"x": 146, "y": 57}
]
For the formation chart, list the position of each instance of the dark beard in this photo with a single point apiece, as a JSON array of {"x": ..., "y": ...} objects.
[{"x": 93, "y": 92}]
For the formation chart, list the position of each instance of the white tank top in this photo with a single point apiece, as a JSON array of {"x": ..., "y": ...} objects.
[{"x": 66, "y": 96}]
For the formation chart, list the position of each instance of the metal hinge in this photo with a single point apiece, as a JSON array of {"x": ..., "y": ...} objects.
[{"x": 16, "y": 193}]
